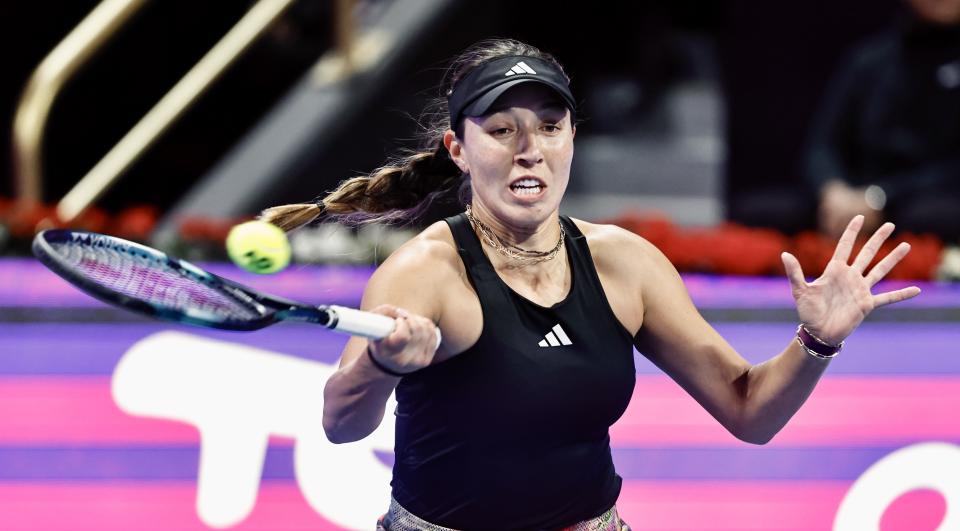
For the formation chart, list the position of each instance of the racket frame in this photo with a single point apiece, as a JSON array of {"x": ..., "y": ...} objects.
[{"x": 270, "y": 308}]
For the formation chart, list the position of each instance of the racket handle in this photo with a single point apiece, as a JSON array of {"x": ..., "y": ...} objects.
[
  {"x": 360, "y": 323},
  {"x": 365, "y": 324}
]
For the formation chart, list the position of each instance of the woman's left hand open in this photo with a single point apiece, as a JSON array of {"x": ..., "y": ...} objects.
[{"x": 832, "y": 306}]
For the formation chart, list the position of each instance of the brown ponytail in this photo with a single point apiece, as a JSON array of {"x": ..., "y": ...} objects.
[
  {"x": 403, "y": 189},
  {"x": 398, "y": 191}
]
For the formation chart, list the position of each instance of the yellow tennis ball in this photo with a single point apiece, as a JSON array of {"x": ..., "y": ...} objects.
[{"x": 259, "y": 247}]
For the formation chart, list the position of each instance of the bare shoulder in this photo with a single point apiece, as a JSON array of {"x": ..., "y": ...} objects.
[
  {"x": 635, "y": 264},
  {"x": 433, "y": 248},
  {"x": 615, "y": 248},
  {"x": 628, "y": 266},
  {"x": 416, "y": 274},
  {"x": 628, "y": 260}
]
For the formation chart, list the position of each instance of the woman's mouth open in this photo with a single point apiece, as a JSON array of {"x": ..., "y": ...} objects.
[{"x": 527, "y": 187}]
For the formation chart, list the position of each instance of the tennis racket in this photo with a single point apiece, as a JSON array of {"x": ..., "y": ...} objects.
[{"x": 144, "y": 280}]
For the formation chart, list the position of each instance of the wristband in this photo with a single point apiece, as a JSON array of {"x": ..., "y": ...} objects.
[
  {"x": 383, "y": 369},
  {"x": 815, "y": 346}
]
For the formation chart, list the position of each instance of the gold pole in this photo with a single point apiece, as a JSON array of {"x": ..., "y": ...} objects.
[
  {"x": 344, "y": 34},
  {"x": 45, "y": 84},
  {"x": 169, "y": 108}
]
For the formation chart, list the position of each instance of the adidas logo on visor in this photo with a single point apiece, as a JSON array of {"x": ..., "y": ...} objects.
[
  {"x": 555, "y": 338},
  {"x": 520, "y": 68}
]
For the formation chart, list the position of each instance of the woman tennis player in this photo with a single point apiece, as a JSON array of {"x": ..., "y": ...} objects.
[{"x": 505, "y": 425}]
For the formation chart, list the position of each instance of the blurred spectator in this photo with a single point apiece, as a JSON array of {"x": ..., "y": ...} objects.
[{"x": 886, "y": 141}]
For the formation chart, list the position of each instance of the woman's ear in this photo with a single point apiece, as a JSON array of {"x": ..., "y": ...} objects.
[{"x": 455, "y": 149}]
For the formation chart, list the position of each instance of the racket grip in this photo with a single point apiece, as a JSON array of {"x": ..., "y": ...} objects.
[
  {"x": 365, "y": 324},
  {"x": 360, "y": 323}
]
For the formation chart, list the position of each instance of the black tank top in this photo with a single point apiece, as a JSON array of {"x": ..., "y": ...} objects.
[{"x": 512, "y": 433}]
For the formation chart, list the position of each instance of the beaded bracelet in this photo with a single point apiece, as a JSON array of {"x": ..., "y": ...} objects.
[
  {"x": 815, "y": 346},
  {"x": 383, "y": 369}
]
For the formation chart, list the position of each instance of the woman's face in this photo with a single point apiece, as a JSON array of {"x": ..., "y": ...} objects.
[{"x": 518, "y": 155}]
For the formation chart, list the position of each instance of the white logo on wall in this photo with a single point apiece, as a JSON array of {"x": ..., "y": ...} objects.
[
  {"x": 237, "y": 397},
  {"x": 930, "y": 465}
]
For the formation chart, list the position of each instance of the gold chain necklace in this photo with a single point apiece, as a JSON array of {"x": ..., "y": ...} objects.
[{"x": 512, "y": 251}]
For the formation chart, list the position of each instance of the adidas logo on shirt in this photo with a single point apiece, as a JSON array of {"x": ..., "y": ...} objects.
[
  {"x": 555, "y": 337},
  {"x": 520, "y": 68}
]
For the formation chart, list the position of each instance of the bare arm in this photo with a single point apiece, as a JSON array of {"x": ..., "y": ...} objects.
[
  {"x": 404, "y": 287},
  {"x": 676, "y": 338},
  {"x": 755, "y": 402}
]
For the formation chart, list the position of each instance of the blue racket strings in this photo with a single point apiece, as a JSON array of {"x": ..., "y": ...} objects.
[{"x": 152, "y": 279}]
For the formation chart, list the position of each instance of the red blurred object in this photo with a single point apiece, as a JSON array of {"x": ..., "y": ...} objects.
[
  {"x": 737, "y": 250},
  {"x": 193, "y": 229},
  {"x": 655, "y": 228},
  {"x": 685, "y": 250},
  {"x": 921, "y": 262},
  {"x": 25, "y": 220},
  {"x": 93, "y": 219},
  {"x": 136, "y": 223},
  {"x": 813, "y": 251},
  {"x": 206, "y": 229}
]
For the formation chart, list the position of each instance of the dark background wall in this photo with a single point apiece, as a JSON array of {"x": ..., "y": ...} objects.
[
  {"x": 776, "y": 59},
  {"x": 133, "y": 71},
  {"x": 773, "y": 58}
]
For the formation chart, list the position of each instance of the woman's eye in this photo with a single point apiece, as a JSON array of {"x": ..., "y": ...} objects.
[{"x": 500, "y": 131}]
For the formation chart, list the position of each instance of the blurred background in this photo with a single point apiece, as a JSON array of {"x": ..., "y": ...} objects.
[
  {"x": 716, "y": 116},
  {"x": 723, "y": 132}
]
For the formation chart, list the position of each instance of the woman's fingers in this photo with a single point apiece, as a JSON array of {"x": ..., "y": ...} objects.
[
  {"x": 872, "y": 247},
  {"x": 412, "y": 344},
  {"x": 891, "y": 297},
  {"x": 884, "y": 266},
  {"x": 424, "y": 331},
  {"x": 386, "y": 309},
  {"x": 849, "y": 237},
  {"x": 401, "y": 332},
  {"x": 417, "y": 330},
  {"x": 794, "y": 271}
]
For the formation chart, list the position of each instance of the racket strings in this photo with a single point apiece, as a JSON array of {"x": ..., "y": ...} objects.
[{"x": 152, "y": 280}]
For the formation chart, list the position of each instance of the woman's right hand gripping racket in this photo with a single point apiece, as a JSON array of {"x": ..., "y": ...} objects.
[{"x": 145, "y": 280}]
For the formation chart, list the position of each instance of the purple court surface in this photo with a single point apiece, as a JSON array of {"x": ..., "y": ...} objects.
[{"x": 72, "y": 457}]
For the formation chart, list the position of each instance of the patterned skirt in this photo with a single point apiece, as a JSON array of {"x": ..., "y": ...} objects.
[{"x": 400, "y": 519}]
